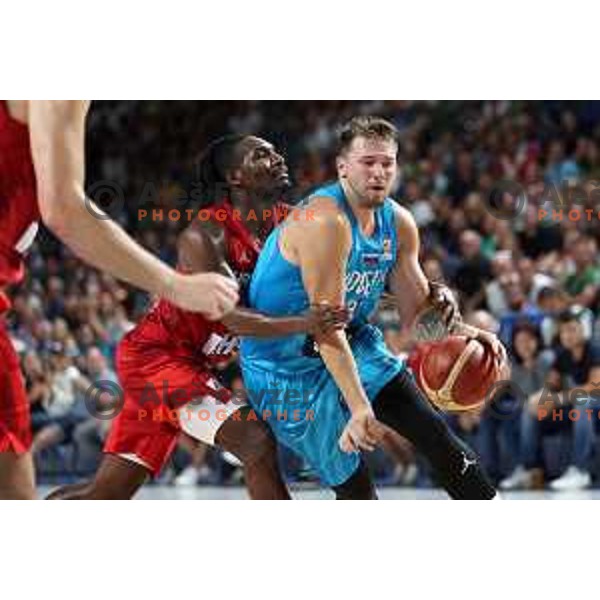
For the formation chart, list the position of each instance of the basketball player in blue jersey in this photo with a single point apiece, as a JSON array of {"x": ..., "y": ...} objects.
[{"x": 326, "y": 397}]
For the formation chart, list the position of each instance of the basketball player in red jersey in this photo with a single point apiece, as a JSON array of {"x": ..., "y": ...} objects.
[
  {"x": 164, "y": 364},
  {"x": 42, "y": 177}
]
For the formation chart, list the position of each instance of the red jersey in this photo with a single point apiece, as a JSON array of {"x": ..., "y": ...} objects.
[
  {"x": 166, "y": 361},
  {"x": 18, "y": 225},
  {"x": 189, "y": 334},
  {"x": 19, "y": 212}
]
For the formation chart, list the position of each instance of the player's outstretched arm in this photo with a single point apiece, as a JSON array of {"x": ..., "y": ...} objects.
[
  {"x": 57, "y": 131},
  {"x": 318, "y": 320},
  {"x": 322, "y": 246},
  {"x": 202, "y": 250}
]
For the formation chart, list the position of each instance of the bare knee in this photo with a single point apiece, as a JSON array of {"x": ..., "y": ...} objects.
[
  {"x": 259, "y": 443},
  {"x": 16, "y": 476},
  {"x": 250, "y": 441}
]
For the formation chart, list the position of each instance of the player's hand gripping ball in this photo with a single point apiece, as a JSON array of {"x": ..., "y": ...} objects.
[{"x": 457, "y": 373}]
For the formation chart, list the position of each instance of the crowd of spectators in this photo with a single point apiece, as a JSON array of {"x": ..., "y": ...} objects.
[{"x": 518, "y": 273}]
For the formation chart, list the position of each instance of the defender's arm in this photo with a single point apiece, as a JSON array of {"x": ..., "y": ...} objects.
[{"x": 199, "y": 251}]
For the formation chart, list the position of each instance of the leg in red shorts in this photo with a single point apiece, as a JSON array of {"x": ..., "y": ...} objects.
[
  {"x": 157, "y": 409},
  {"x": 145, "y": 432},
  {"x": 143, "y": 435},
  {"x": 15, "y": 427},
  {"x": 16, "y": 464}
]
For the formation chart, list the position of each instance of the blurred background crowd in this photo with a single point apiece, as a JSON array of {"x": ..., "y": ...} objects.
[{"x": 535, "y": 281}]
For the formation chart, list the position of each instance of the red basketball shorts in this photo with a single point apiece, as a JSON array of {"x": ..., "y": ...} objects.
[
  {"x": 15, "y": 424},
  {"x": 164, "y": 394}
]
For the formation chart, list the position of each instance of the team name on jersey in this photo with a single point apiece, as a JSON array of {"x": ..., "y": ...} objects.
[{"x": 363, "y": 282}]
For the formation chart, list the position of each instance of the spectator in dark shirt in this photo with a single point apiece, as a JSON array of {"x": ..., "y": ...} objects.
[
  {"x": 566, "y": 402},
  {"x": 474, "y": 268},
  {"x": 530, "y": 365}
]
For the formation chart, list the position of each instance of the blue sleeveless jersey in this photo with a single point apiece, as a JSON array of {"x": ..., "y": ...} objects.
[{"x": 276, "y": 288}]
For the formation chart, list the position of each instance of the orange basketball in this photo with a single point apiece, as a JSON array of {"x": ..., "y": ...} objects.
[{"x": 455, "y": 373}]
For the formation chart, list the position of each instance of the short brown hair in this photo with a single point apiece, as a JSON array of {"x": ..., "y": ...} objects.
[{"x": 368, "y": 127}]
